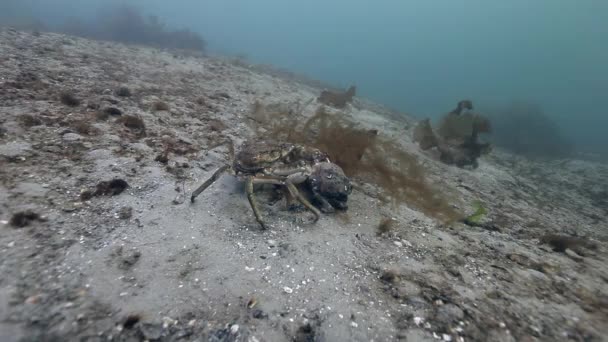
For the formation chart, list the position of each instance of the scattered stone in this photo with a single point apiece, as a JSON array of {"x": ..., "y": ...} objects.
[
  {"x": 201, "y": 101},
  {"x": 92, "y": 105},
  {"x": 223, "y": 335},
  {"x": 398, "y": 243},
  {"x": 111, "y": 188},
  {"x": 305, "y": 332},
  {"x": 132, "y": 122},
  {"x": 385, "y": 226},
  {"x": 131, "y": 321},
  {"x": 573, "y": 255},
  {"x": 84, "y": 127},
  {"x": 14, "y": 150},
  {"x": 125, "y": 213},
  {"x": 519, "y": 259},
  {"x": 216, "y": 126},
  {"x": 123, "y": 92},
  {"x": 71, "y": 207},
  {"x": 28, "y": 120},
  {"x": 160, "y": 106},
  {"x": 70, "y": 137},
  {"x": 68, "y": 99},
  {"x": 389, "y": 276},
  {"x": 183, "y": 333},
  {"x": 560, "y": 243},
  {"x": 221, "y": 96},
  {"x": 163, "y": 157},
  {"x": 128, "y": 260},
  {"x": 24, "y": 218},
  {"x": 234, "y": 329},
  {"x": 35, "y": 299},
  {"x": 112, "y": 111},
  {"x": 86, "y": 195},
  {"x": 151, "y": 331},
  {"x": 449, "y": 313},
  {"x": 259, "y": 314},
  {"x": 168, "y": 321},
  {"x": 30, "y": 189},
  {"x": 287, "y": 289},
  {"x": 105, "y": 113}
]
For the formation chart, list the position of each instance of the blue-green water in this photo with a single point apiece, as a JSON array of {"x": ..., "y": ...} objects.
[{"x": 416, "y": 56}]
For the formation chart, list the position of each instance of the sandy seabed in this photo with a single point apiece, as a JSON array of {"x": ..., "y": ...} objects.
[{"x": 146, "y": 265}]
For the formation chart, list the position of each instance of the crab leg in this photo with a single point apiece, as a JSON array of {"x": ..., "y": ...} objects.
[
  {"x": 325, "y": 206},
  {"x": 287, "y": 172},
  {"x": 295, "y": 193},
  {"x": 208, "y": 182},
  {"x": 251, "y": 196}
]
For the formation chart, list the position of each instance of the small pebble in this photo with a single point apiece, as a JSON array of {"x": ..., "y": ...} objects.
[
  {"x": 71, "y": 137},
  {"x": 398, "y": 243},
  {"x": 287, "y": 289}
]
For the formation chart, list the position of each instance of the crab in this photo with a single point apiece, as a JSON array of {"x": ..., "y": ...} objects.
[{"x": 287, "y": 165}]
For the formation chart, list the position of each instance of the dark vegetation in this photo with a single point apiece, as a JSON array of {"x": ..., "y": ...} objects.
[
  {"x": 28, "y": 120},
  {"x": 69, "y": 99},
  {"x": 389, "y": 276},
  {"x": 456, "y": 137},
  {"x": 174, "y": 146},
  {"x": 105, "y": 113},
  {"x": 364, "y": 155},
  {"x": 424, "y": 136},
  {"x": 385, "y": 225},
  {"x": 112, "y": 188},
  {"x": 133, "y": 123},
  {"x": 559, "y": 243},
  {"x": 24, "y": 218},
  {"x": 131, "y": 320},
  {"x": 120, "y": 23},
  {"x": 158, "y": 106},
  {"x": 123, "y": 92},
  {"x": 336, "y": 98},
  {"x": 83, "y": 126},
  {"x": 525, "y": 129},
  {"x": 123, "y": 23}
]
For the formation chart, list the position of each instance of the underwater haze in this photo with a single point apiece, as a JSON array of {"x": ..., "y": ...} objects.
[{"x": 418, "y": 56}]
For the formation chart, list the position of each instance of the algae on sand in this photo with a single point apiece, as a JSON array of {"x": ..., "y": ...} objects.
[
  {"x": 478, "y": 215},
  {"x": 363, "y": 154}
]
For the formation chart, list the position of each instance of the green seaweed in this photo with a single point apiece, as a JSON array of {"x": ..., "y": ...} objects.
[{"x": 478, "y": 215}]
